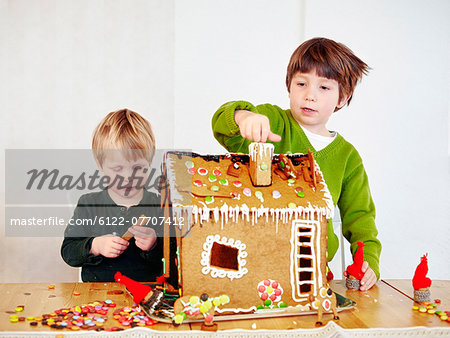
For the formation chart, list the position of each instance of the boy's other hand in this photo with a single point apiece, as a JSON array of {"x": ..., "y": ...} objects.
[
  {"x": 145, "y": 237},
  {"x": 108, "y": 246},
  {"x": 369, "y": 279},
  {"x": 255, "y": 127}
]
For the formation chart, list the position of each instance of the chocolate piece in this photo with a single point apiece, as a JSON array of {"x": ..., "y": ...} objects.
[
  {"x": 154, "y": 301},
  {"x": 306, "y": 174},
  {"x": 224, "y": 256},
  {"x": 234, "y": 169},
  {"x": 141, "y": 222},
  {"x": 285, "y": 165},
  {"x": 281, "y": 174}
]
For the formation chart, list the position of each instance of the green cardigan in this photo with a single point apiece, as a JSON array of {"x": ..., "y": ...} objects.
[{"x": 339, "y": 162}]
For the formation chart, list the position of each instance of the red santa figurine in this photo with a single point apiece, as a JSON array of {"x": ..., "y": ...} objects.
[
  {"x": 421, "y": 283},
  {"x": 142, "y": 294},
  {"x": 354, "y": 272}
]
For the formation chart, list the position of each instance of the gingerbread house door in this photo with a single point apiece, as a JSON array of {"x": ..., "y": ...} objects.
[{"x": 305, "y": 259}]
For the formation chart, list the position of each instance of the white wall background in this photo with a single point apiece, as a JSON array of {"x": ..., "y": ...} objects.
[{"x": 65, "y": 64}]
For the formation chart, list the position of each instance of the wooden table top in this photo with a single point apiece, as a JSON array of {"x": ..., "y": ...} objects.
[{"x": 386, "y": 305}]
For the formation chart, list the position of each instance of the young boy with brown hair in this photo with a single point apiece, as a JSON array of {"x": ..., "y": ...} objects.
[
  {"x": 321, "y": 77},
  {"x": 123, "y": 147}
]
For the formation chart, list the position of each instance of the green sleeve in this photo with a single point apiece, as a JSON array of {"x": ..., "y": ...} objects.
[
  {"x": 227, "y": 133},
  {"x": 358, "y": 216},
  {"x": 225, "y": 129}
]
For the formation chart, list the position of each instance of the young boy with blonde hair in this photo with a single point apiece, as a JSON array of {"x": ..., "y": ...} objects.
[
  {"x": 321, "y": 78},
  {"x": 123, "y": 146}
]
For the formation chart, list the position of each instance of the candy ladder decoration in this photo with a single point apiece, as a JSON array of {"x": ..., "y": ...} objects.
[
  {"x": 142, "y": 294},
  {"x": 304, "y": 269}
]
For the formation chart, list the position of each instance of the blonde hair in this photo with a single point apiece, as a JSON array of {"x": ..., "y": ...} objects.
[{"x": 124, "y": 130}]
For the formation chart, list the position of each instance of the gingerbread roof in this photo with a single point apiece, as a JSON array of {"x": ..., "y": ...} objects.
[{"x": 220, "y": 186}]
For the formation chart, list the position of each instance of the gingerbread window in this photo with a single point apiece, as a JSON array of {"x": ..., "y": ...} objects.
[{"x": 224, "y": 257}]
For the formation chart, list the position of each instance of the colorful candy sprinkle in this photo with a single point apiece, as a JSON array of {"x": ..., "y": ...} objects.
[
  {"x": 276, "y": 194},
  {"x": 223, "y": 181},
  {"x": 189, "y": 164},
  {"x": 237, "y": 183},
  {"x": 198, "y": 183},
  {"x": 247, "y": 192},
  {"x": 217, "y": 172},
  {"x": 212, "y": 178},
  {"x": 191, "y": 171},
  {"x": 209, "y": 199},
  {"x": 202, "y": 171},
  {"x": 214, "y": 188},
  {"x": 259, "y": 195},
  {"x": 263, "y": 166},
  {"x": 300, "y": 194},
  {"x": 291, "y": 181},
  {"x": 292, "y": 205}
]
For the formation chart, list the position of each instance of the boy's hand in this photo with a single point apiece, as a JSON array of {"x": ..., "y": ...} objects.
[
  {"x": 145, "y": 237},
  {"x": 369, "y": 279},
  {"x": 108, "y": 246},
  {"x": 255, "y": 127}
]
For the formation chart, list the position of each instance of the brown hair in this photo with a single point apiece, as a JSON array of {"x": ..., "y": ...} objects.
[
  {"x": 329, "y": 59},
  {"x": 124, "y": 130}
]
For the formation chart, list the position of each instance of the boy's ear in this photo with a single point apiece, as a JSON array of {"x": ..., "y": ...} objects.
[{"x": 343, "y": 101}]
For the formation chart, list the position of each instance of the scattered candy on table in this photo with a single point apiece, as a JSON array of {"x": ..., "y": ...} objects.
[
  {"x": 431, "y": 308},
  {"x": 90, "y": 316}
]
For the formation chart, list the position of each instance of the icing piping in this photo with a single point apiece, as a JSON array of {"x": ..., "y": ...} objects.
[{"x": 261, "y": 149}]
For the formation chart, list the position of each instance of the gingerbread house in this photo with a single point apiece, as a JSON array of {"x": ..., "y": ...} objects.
[{"x": 251, "y": 227}]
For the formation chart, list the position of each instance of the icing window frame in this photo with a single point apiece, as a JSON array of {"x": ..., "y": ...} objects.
[{"x": 216, "y": 271}]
